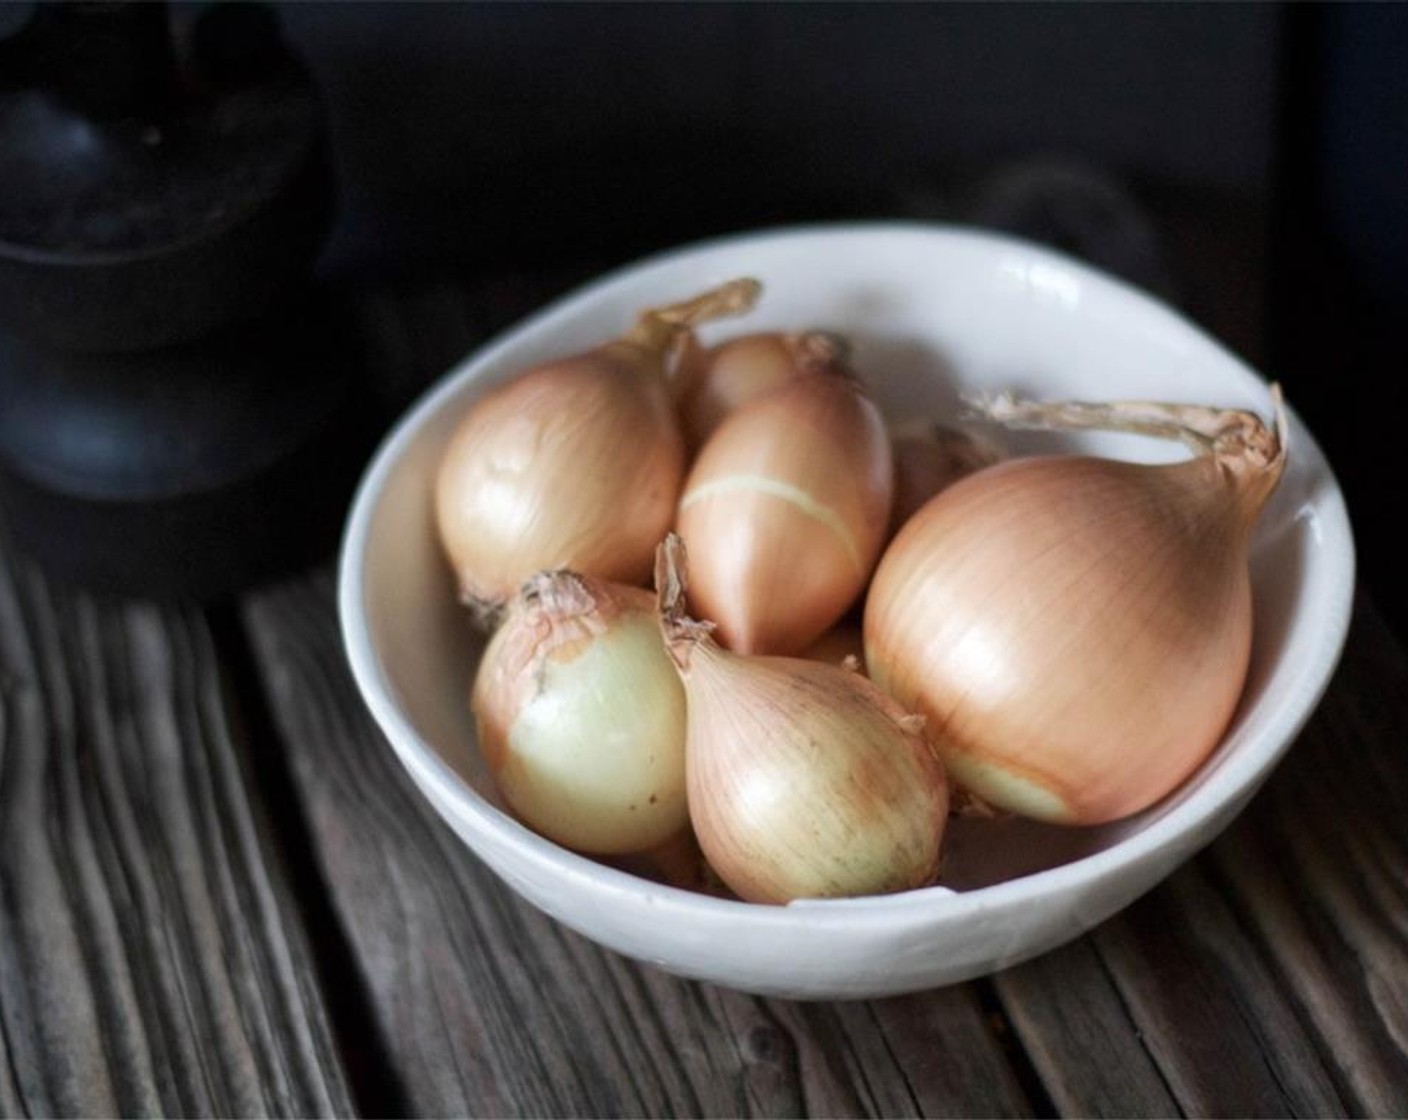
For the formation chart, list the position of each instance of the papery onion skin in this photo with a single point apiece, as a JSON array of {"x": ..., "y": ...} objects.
[
  {"x": 805, "y": 780},
  {"x": 713, "y": 381},
  {"x": 1077, "y": 630},
  {"x": 785, "y": 512},
  {"x": 575, "y": 463},
  {"x": 828, "y": 796},
  {"x": 580, "y": 716}
]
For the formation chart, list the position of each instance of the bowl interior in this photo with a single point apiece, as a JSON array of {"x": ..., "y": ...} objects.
[{"x": 933, "y": 314}]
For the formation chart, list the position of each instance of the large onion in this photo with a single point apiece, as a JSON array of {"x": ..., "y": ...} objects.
[{"x": 1077, "y": 629}]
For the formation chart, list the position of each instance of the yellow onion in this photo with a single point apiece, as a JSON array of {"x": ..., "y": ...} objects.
[
  {"x": 1077, "y": 629},
  {"x": 574, "y": 464},
  {"x": 785, "y": 511},
  {"x": 804, "y": 779},
  {"x": 712, "y": 381},
  {"x": 581, "y": 716},
  {"x": 928, "y": 457}
]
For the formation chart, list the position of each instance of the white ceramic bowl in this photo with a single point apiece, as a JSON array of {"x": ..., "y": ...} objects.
[{"x": 932, "y": 312}]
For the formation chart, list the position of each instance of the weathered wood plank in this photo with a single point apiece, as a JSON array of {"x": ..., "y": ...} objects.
[
  {"x": 151, "y": 957},
  {"x": 1200, "y": 992},
  {"x": 1318, "y": 871},
  {"x": 488, "y": 1007},
  {"x": 1081, "y": 1038},
  {"x": 1270, "y": 976}
]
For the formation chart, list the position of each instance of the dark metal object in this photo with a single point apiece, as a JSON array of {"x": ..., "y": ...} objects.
[{"x": 161, "y": 362}]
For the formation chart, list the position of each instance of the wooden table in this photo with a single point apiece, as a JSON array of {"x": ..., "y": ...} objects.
[{"x": 220, "y": 895}]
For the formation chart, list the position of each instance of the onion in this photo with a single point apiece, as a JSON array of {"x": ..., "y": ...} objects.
[
  {"x": 785, "y": 511},
  {"x": 1077, "y": 629},
  {"x": 711, "y": 382},
  {"x": 573, "y": 464},
  {"x": 805, "y": 780},
  {"x": 581, "y": 716},
  {"x": 929, "y": 457}
]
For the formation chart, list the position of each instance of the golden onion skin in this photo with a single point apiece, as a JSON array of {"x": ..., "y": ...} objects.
[
  {"x": 1077, "y": 630},
  {"x": 714, "y": 381},
  {"x": 807, "y": 781},
  {"x": 785, "y": 512},
  {"x": 576, "y": 464}
]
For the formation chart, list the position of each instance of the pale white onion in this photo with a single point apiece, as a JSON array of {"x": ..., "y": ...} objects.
[{"x": 580, "y": 716}]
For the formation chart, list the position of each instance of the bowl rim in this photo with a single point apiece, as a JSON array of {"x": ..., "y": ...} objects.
[{"x": 1195, "y": 820}]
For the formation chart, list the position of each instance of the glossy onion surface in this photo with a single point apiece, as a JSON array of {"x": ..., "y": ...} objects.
[
  {"x": 785, "y": 512},
  {"x": 1077, "y": 630}
]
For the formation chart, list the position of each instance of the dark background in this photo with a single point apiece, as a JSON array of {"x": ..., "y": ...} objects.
[
  {"x": 619, "y": 127},
  {"x": 1245, "y": 161},
  {"x": 1248, "y": 161}
]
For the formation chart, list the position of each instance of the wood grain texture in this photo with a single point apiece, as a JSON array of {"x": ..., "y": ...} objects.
[
  {"x": 151, "y": 956},
  {"x": 1269, "y": 977},
  {"x": 489, "y": 1008},
  {"x": 1318, "y": 873},
  {"x": 1081, "y": 1037}
]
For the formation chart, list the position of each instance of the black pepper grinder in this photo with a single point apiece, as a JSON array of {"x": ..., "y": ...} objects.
[{"x": 174, "y": 418}]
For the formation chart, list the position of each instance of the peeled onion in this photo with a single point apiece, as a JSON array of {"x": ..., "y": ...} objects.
[
  {"x": 785, "y": 511},
  {"x": 581, "y": 716},
  {"x": 1077, "y": 629},
  {"x": 576, "y": 463}
]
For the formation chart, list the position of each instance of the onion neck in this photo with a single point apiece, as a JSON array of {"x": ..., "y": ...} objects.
[
  {"x": 820, "y": 352},
  {"x": 564, "y": 596},
  {"x": 1248, "y": 452},
  {"x": 658, "y": 330},
  {"x": 1253, "y": 455},
  {"x": 553, "y": 611},
  {"x": 683, "y": 635}
]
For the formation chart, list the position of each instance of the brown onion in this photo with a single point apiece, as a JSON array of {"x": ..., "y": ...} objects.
[
  {"x": 1078, "y": 629},
  {"x": 929, "y": 457},
  {"x": 711, "y": 382},
  {"x": 785, "y": 511},
  {"x": 574, "y": 464},
  {"x": 804, "y": 779}
]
